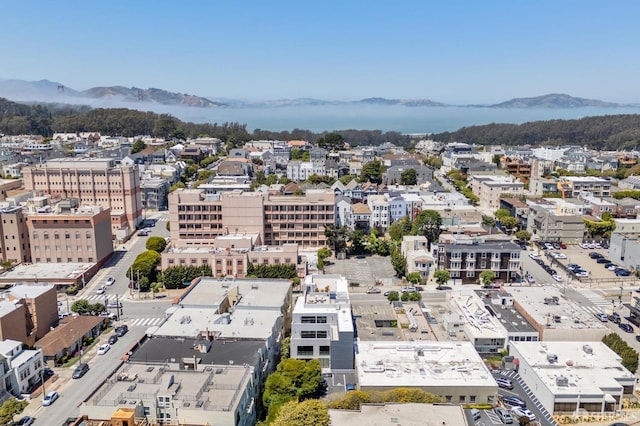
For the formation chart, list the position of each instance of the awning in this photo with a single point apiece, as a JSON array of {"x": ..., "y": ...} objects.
[{"x": 609, "y": 399}]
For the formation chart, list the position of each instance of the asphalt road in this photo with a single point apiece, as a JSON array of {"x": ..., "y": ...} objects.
[{"x": 139, "y": 311}]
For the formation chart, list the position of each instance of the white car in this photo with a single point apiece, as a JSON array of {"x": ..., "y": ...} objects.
[
  {"x": 557, "y": 278},
  {"x": 533, "y": 256},
  {"x": 50, "y": 398},
  {"x": 101, "y": 289},
  {"x": 584, "y": 245},
  {"x": 103, "y": 349},
  {"x": 597, "y": 246},
  {"x": 591, "y": 245},
  {"x": 560, "y": 256},
  {"x": 582, "y": 274},
  {"x": 110, "y": 281},
  {"x": 613, "y": 267},
  {"x": 518, "y": 412}
]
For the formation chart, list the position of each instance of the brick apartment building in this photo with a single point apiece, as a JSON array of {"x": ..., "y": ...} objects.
[
  {"x": 28, "y": 312},
  {"x": 197, "y": 218},
  {"x": 14, "y": 236},
  {"x": 67, "y": 233},
  {"x": 97, "y": 182}
]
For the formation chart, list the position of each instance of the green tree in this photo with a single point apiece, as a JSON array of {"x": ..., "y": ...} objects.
[
  {"x": 138, "y": 146},
  {"x": 442, "y": 277},
  {"x": 487, "y": 277},
  {"x": 393, "y": 296},
  {"x": 397, "y": 230},
  {"x": 409, "y": 177},
  {"x": 415, "y": 296},
  {"x": 501, "y": 214},
  {"x": 336, "y": 237},
  {"x": 157, "y": 244},
  {"x": 399, "y": 263},
  {"x": 285, "y": 271},
  {"x": 510, "y": 223},
  {"x": 346, "y": 179},
  {"x": 414, "y": 277},
  {"x": 285, "y": 348},
  {"x": 497, "y": 160},
  {"x": 80, "y": 307},
  {"x": 429, "y": 224},
  {"x": 523, "y": 235},
  {"x": 308, "y": 412},
  {"x": 293, "y": 379},
  {"x": 331, "y": 142},
  {"x": 165, "y": 126},
  {"x": 488, "y": 221},
  {"x": 606, "y": 217},
  {"x": 10, "y": 408},
  {"x": 601, "y": 228},
  {"x": 145, "y": 266},
  {"x": 175, "y": 276},
  {"x": 323, "y": 253},
  {"x": 177, "y": 185},
  {"x": 372, "y": 172},
  {"x": 206, "y": 161}
]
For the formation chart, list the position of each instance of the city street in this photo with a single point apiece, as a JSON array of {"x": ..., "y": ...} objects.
[{"x": 139, "y": 311}]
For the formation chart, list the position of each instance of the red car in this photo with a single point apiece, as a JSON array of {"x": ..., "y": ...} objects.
[{"x": 563, "y": 246}]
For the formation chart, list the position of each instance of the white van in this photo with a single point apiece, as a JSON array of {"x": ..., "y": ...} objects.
[{"x": 475, "y": 414}]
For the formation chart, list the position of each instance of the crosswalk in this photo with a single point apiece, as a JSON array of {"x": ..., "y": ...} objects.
[
  {"x": 598, "y": 303},
  {"x": 145, "y": 322}
]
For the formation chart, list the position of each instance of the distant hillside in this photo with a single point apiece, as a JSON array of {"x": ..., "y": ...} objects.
[
  {"x": 405, "y": 102},
  {"x": 50, "y": 91},
  {"x": 610, "y": 132},
  {"x": 554, "y": 100}
]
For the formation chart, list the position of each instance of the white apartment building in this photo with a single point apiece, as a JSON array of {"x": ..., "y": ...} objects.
[
  {"x": 299, "y": 171},
  {"x": 380, "y": 212},
  {"x": 322, "y": 327},
  {"x": 490, "y": 188},
  {"x": 25, "y": 365},
  {"x": 550, "y": 154}
]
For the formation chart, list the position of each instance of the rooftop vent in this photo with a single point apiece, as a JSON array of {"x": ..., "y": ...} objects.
[
  {"x": 587, "y": 349},
  {"x": 552, "y": 358},
  {"x": 562, "y": 381}
]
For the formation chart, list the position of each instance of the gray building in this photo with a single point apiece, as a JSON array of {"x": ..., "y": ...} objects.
[
  {"x": 394, "y": 174},
  {"x": 545, "y": 225},
  {"x": 154, "y": 193}
]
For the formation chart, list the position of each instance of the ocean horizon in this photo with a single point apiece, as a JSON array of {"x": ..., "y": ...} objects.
[{"x": 396, "y": 118}]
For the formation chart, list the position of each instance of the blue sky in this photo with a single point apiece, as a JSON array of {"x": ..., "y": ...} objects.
[{"x": 449, "y": 51}]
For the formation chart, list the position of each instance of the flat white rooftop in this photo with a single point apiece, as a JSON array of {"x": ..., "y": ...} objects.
[
  {"x": 535, "y": 300},
  {"x": 46, "y": 271},
  {"x": 29, "y": 291},
  {"x": 479, "y": 323},
  {"x": 407, "y": 414},
  {"x": 586, "y": 373},
  {"x": 421, "y": 364},
  {"x": 255, "y": 293}
]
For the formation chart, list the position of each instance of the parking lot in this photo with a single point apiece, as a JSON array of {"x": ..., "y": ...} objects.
[
  {"x": 575, "y": 254},
  {"x": 364, "y": 270}
]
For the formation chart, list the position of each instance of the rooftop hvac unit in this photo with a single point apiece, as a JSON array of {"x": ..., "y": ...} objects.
[
  {"x": 552, "y": 358},
  {"x": 587, "y": 349},
  {"x": 562, "y": 381}
]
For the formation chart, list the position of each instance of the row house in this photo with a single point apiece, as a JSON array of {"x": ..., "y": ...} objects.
[
  {"x": 619, "y": 208},
  {"x": 466, "y": 257},
  {"x": 25, "y": 367}
]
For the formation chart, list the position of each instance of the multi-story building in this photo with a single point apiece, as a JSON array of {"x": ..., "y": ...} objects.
[
  {"x": 198, "y": 218},
  {"x": 321, "y": 326},
  {"x": 97, "y": 182},
  {"x": 416, "y": 250},
  {"x": 14, "y": 236},
  {"x": 490, "y": 188},
  {"x": 67, "y": 233},
  {"x": 518, "y": 168},
  {"x": 547, "y": 223},
  {"x": 154, "y": 193},
  {"x": 380, "y": 212},
  {"x": 27, "y": 312},
  {"x": 466, "y": 257},
  {"x": 25, "y": 366},
  {"x": 589, "y": 185}
]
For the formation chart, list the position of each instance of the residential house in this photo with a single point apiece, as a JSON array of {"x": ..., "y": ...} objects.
[
  {"x": 344, "y": 212},
  {"x": 490, "y": 189},
  {"x": 25, "y": 367},
  {"x": 361, "y": 216},
  {"x": 417, "y": 252}
]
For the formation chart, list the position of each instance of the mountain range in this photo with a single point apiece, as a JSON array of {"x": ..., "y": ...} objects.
[{"x": 110, "y": 96}]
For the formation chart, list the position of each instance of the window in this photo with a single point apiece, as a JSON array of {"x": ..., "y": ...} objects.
[
  {"x": 308, "y": 320},
  {"x": 305, "y": 351},
  {"x": 321, "y": 334},
  {"x": 325, "y": 350},
  {"x": 471, "y": 274},
  {"x": 56, "y": 236},
  {"x": 46, "y": 236},
  {"x": 307, "y": 334}
]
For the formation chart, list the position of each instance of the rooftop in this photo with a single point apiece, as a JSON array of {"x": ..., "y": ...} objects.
[
  {"x": 28, "y": 291},
  {"x": 213, "y": 388},
  {"x": 405, "y": 414},
  {"x": 373, "y": 321},
  {"x": 588, "y": 367},
  {"x": 7, "y": 307},
  {"x": 479, "y": 323},
  {"x": 46, "y": 271},
  {"x": 420, "y": 364},
  {"x": 70, "y": 330},
  {"x": 510, "y": 319},
  {"x": 547, "y": 306}
]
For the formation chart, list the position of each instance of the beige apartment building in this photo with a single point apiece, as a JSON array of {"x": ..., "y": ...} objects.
[
  {"x": 490, "y": 188},
  {"x": 97, "y": 182},
  {"x": 28, "y": 312},
  {"x": 197, "y": 218},
  {"x": 14, "y": 236},
  {"x": 68, "y": 233}
]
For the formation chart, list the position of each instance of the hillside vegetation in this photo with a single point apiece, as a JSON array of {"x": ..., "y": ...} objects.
[{"x": 609, "y": 132}]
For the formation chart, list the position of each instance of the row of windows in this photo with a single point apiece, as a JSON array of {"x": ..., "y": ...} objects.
[
  {"x": 313, "y": 334},
  {"x": 67, "y": 235},
  {"x": 69, "y": 259},
  {"x": 58, "y": 248},
  {"x": 308, "y": 350}
]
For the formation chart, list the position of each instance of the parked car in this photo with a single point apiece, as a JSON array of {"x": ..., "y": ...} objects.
[
  {"x": 558, "y": 278},
  {"x": 80, "y": 370},
  {"x": 623, "y": 273},
  {"x": 533, "y": 255},
  {"x": 504, "y": 383},
  {"x": 408, "y": 289},
  {"x": 530, "y": 279},
  {"x": 113, "y": 339},
  {"x": 103, "y": 349},
  {"x": 374, "y": 290},
  {"x": 595, "y": 255},
  {"x": 49, "y": 398},
  {"x": 518, "y": 412},
  {"x": 504, "y": 415},
  {"x": 583, "y": 245},
  {"x": 612, "y": 267},
  {"x": 110, "y": 281},
  {"x": 627, "y": 328},
  {"x": 514, "y": 401},
  {"x": 101, "y": 289},
  {"x": 615, "y": 317},
  {"x": 602, "y": 317},
  {"x": 602, "y": 260},
  {"x": 388, "y": 292},
  {"x": 121, "y": 330},
  {"x": 563, "y": 246},
  {"x": 25, "y": 421}
]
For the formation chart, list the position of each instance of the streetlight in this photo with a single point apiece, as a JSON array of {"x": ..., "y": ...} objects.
[
  {"x": 620, "y": 297},
  {"x": 44, "y": 391}
]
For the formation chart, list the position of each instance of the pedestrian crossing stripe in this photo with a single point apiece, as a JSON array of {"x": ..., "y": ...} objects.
[{"x": 145, "y": 322}]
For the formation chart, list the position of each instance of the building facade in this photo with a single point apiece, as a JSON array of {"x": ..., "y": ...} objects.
[
  {"x": 93, "y": 182},
  {"x": 466, "y": 257},
  {"x": 71, "y": 234},
  {"x": 15, "y": 246}
]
